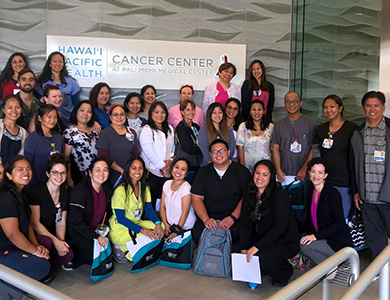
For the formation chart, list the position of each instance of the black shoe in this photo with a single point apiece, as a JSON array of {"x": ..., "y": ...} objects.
[
  {"x": 48, "y": 278},
  {"x": 279, "y": 283},
  {"x": 68, "y": 267}
]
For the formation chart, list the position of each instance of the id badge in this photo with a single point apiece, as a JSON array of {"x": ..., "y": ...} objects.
[
  {"x": 130, "y": 136},
  {"x": 53, "y": 152},
  {"x": 327, "y": 143},
  {"x": 137, "y": 213},
  {"x": 77, "y": 138},
  {"x": 379, "y": 155},
  {"x": 295, "y": 147},
  {"x": 59, "y": 215}
]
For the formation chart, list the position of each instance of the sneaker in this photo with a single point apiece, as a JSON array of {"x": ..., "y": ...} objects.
[
  {"x": 68, "y": 267},
  {"x": 119, "y": 255}
]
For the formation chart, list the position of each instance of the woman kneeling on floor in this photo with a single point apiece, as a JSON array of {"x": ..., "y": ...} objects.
[
  {"x": 89, "y": 203},
  {"x": 177, "y": 213},
  {"x": 19, "y": 248},
  {"x": 326, "y": 229},
  {"x": 267, "y": 225},
  {"x": 129, "y": 201}
]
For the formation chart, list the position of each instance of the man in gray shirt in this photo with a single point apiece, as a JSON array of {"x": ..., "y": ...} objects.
[
  {"x": 370, "y": 182},
  {"x": 292, "y": 140}
]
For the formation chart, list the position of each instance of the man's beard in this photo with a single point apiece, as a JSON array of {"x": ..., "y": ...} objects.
[{"x": 28, "y": 91}]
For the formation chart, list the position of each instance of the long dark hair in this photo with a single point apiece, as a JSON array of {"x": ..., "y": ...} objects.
[
  {"x": 264, "y": 123},
  {"x": 43, "y": 110},
  {"x": 94, "y": 93},
  {"x": 238, "y": 118},
  {"x": 251, "y": 199},
  {"x": 212, "y": 133},
  {"x": 148, "y": 86},
  {"x": 143, "y": 91},
  {"x": 73, "y": 114},
  {"x": 6, "y": 99},
  {"x": 176, "y": 160},
  {"x": 47, "y": 74},
  {"x": 134, "y": 95},
  {"x": 126, "y": 180},
  {"x": 165, "y": 126},
  {"x": 253, "y": 84},
  {"x": 8, "y": 72},
  {"x": 7, "y": 185}
]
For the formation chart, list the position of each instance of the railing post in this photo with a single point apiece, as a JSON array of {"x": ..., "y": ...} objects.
[
  {"x": 379, "y": 265},
  {"x": 302, "y": 283},
  {"x": 29, "y": 285},
  {"x": 384, "y": 283},
  {"x": 325, "y": 289}
]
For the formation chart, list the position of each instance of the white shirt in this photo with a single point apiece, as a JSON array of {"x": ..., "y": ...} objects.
[{"x": 155, "y": 148}]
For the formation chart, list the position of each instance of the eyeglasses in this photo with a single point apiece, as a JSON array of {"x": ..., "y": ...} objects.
[
  {"x": 215, "y": 152},
  {"x": 293, "y": 102},
  {"x": 56, "y": 173},
  {"x": 98, "y": 170},
  {"x": 118, "y": 115},
  {"x": 232, "y": 108}
]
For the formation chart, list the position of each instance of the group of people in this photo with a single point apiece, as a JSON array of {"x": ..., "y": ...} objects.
[{"x": 147, "y": 170}]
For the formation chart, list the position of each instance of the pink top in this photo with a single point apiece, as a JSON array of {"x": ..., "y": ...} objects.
[
  {"x": 222, "y": 96},
  {"x": 262, "y": 96},
  {"x": 175, "y": 117},
  {"x": 313, "y": 209}
]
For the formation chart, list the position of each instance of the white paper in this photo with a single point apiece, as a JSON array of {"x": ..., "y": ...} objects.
[
  {"x": 179, "y": 239},
  {"x": 288, "y": 180},
  {"x": 141, "y": 241},
  {"x": 244, "y": 271}
]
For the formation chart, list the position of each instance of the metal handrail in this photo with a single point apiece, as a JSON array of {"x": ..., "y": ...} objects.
[
  {"x": 30, "y": 285},
  {"x": 301, "y": 284},
  {"x": 380, "y": 264}
]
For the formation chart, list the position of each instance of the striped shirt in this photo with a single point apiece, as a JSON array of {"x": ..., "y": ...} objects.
[{"x": 374, "y": 140}]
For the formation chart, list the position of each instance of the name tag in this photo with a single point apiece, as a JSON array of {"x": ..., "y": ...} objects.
[
  {"x": 137, "y": 213},
  {"x": 130, "y": 136},
  {"x": 59, "y": 215},
  {"x": 327, "y": 143},
  {"x": 295, "y": 147},
  {"x": 53, "y": 152},
  {"x": 77, "y": 138},
  {"x": 379, "y": 155}
]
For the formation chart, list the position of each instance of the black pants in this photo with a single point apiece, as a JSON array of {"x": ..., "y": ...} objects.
[
  {"x": 273, "y": 261},
  {"x": 199, "y": 226},
  {"x": 376, "y": 217},
  {"x": 83, "y": 252},
  {"x": 156, "y": 185}
]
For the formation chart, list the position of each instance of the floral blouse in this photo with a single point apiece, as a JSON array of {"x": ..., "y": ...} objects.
[
  {"x": 255, "y": 147},
  {"x": 84, "y": 146}
]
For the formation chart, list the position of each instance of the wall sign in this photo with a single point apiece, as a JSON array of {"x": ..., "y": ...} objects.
[{"x": 124, "y": 63}]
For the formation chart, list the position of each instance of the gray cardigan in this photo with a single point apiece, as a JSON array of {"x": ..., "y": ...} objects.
[{"x": 357, "y": 164}]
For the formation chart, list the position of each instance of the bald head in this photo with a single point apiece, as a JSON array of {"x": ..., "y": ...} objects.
[{"x": 292, "y": 93}]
